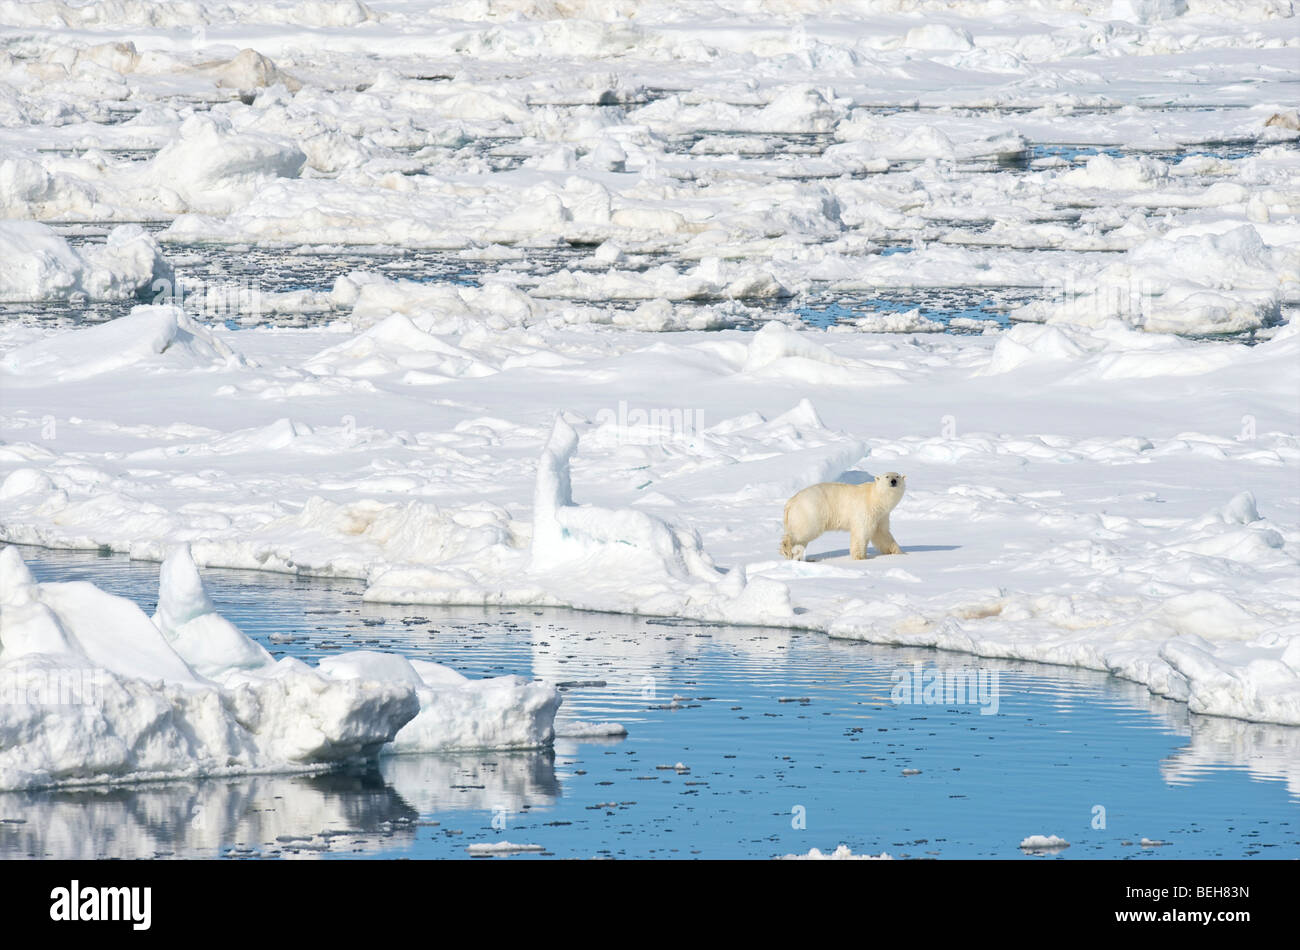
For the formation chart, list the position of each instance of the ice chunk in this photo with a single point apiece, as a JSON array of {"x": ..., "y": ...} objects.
[
  {"x": 1044, "y": 843},
  {"x": 211, "y": 167},
  {"x": 97, "y": 692},
  {"x": 40, "y": 265},
  {"x": 841, "y": 853},
  {"x": 163, "y": 336}
]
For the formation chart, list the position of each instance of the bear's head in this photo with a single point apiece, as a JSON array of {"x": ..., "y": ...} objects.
[{"x": 890, "y": 486}]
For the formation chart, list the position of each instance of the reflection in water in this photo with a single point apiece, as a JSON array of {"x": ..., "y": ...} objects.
[
  {"x": 1266, "y": 752},
  {"x": 205, "y": 818},
  {"x": 507, "y": 781},
  {"x": 349, "y": 813},
  {"x": 761, "y": 720}
]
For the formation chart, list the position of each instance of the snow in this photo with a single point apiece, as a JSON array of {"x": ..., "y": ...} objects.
[
  {"x": 1108, "y": 482},
  {"x": 210, "y": 164},
  {"x": 1189, "y": 284},
  {"x": 148, "y": 333}
]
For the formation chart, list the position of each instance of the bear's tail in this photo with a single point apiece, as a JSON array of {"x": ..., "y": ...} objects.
[{"x": 787, "y": 541}]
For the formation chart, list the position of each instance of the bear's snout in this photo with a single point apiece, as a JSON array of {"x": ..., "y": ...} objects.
[{"x": 893, "y": 483}]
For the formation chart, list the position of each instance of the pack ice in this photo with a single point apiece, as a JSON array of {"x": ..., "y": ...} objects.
[{"x": 696, "y": 259}]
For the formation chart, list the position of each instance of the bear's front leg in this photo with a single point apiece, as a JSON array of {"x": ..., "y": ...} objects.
[
  {"x": 858, "y": 544},
  {"x": 884, "y": 541}
]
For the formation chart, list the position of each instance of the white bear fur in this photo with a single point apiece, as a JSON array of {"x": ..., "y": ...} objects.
[{"x": 862, "y": 510}]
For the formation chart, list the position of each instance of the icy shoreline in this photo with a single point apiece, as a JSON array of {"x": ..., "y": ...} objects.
[
  {"x": 1196, "y": 647},
  {"x": 1191, "y": 602}
]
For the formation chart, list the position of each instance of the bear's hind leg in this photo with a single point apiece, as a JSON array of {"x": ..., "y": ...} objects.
[{"x": 787, "y": 545}]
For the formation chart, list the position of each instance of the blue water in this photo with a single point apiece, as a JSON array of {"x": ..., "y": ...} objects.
[
  {"x": 940, "y": 304},
  {"x": 789, "y": 741},
  {"x": 1073, "y": 153},
  {"x": 1079, "y": 154}
]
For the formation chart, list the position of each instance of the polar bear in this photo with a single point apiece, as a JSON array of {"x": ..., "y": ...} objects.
[{"x": 862, "y": 510}]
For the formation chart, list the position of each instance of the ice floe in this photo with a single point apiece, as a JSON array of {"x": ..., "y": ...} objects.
[{"x": 98, "y": 692}]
